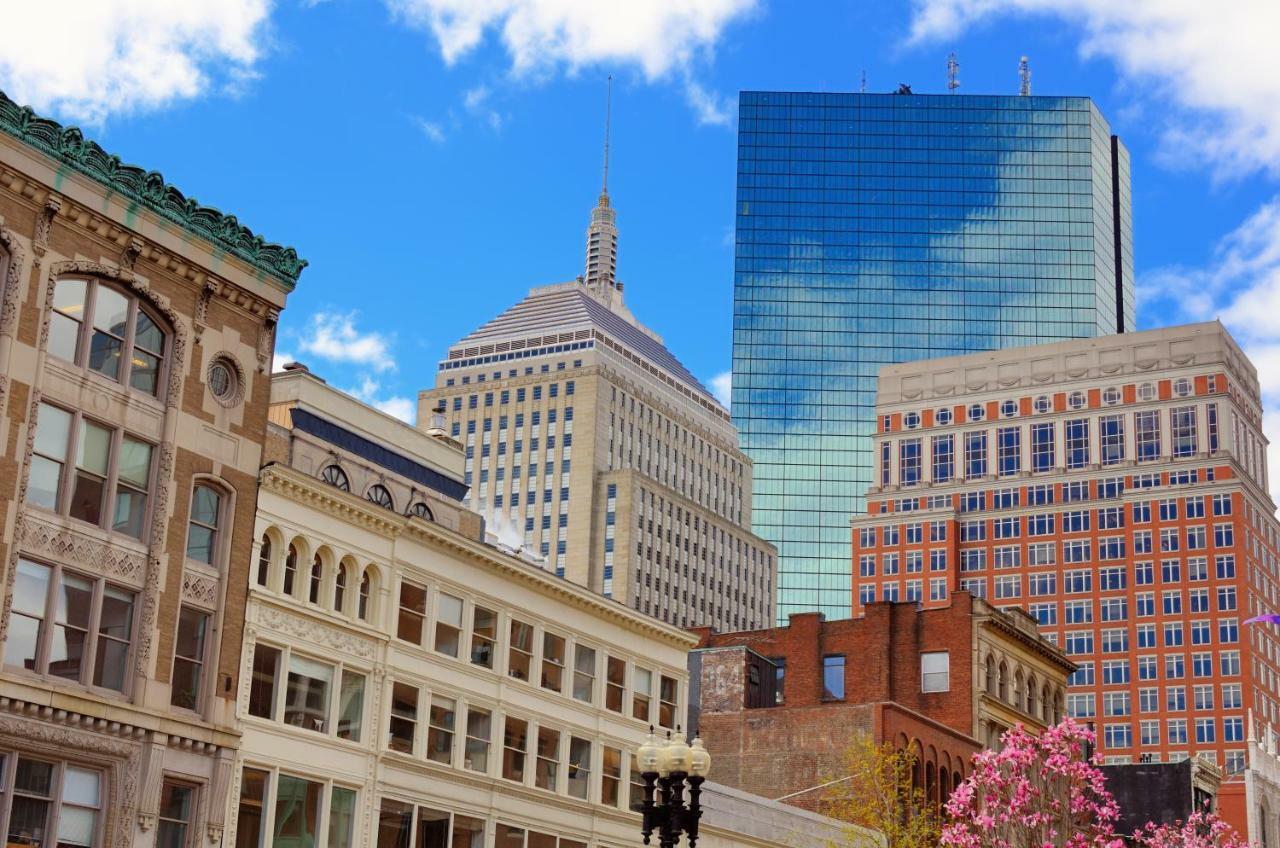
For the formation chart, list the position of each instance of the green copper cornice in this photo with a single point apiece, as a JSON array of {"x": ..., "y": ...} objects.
[{"x": 68, "y": 146}]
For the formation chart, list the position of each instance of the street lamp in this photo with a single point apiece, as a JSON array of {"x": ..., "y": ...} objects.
[{"x": 665, "y": 768}]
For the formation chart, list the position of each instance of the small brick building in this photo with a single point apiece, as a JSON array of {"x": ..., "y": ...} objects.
[{"x": 778, "y": 707}]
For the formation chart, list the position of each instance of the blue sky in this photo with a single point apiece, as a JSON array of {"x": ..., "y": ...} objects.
[{"x": 434, "y": 159}]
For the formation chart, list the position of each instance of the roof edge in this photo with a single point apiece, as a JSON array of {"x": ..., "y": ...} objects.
[{"x": 67, "y": 145}]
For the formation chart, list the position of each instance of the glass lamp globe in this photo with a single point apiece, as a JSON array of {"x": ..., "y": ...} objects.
[
  {"x": 699, "y": 759},
  {"x": 648, "y": 755},
  {"x": 678, "y": 754}
]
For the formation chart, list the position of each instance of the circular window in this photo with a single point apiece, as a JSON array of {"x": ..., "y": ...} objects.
[
  {"x": 976, "y": 412},
  {"x": 1147, "y": 391},
  {"x": 911, "y": 420},
  {"x": 1111, "y": 396},
  {"x": 1182, "y": 387},
  {"x": 1009, "y": 409},
  {"x": 1043, "y": 403},
  {"x": 943, "y": 416},
  {"x": 1076, "y": 400},
  {"x": 225, "y": 380}
]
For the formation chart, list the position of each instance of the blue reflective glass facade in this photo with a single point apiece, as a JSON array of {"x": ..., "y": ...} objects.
[{"x": 880, "y": 228}]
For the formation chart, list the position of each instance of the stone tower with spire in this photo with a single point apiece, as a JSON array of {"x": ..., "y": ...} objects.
[{"x": 602, "y": 235}]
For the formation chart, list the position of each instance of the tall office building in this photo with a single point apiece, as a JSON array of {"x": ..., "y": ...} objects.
[
  {"x": 589, "y": 445},
  {"x": 875, "y": 229},
  {"x": 1116, "y": 489}
]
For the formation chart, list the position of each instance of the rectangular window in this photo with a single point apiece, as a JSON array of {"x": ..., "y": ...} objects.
[
  {"x": 484, "y": 631},
  {"x": 909, "y": 461},
  {"x": 1182, "y": 425},
  {"x": 668, "y": 693},
  {"x": 584, "y": 673},
  {"x": 1077, "y": 435},
  {"x": 520, "y": 650},
  {"x": 1147, "y": 435},
  {"x": 475, "y": 755},
  {"x": 309, "y": 685},
  {"x": 413, "y": 612},
  {"x": 54, "y": 803},
  {"x": 833, "y": 677},
  {"x": 515, "y": 746},
  {"x": 975, "y": 454},
  {"x": 448, "y": 624},
  {"x": 440, "y": 725},
  {"x": 1009, "y": 450},
  {"x": 610, "y": 776},
  {"x": 546, "y": 770},
  {"x": 579, "y": 767},
  {"x": 174, "y": 824},
  {"x": 641, "y": 693},
  {"x": 944, "y": 458},
  {"x": 615, "y": 683},
  {"x": 935, "y": 671},
  {"x": 188, "y": 659},
  {"x": 403, "y": 725},
  {"x": 1042, "y": 447},
  {"x": 68, "y": 626},
  {"x": 552, "y": 662}
]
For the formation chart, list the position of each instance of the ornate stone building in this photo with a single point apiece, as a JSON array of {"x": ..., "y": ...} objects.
[
  {"x": 404, "y": 682},
  {"x": 136, "y": 334}
]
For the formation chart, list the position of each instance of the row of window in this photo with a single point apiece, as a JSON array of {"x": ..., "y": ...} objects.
[
  {"x": 1175, "y": 699},
  {"x": 1120, "y": 736},
  {"x": 1008, "y": 457},
  {"x": 376, "y": 494},
  {"x": 1043, "y": 404}
]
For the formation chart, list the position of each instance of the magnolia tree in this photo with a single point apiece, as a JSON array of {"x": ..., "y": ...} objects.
[
  {"x": 1201, "y": 830},
  {"x": 1043, "y": 792},
  {"x": 1036, "y": 792}
]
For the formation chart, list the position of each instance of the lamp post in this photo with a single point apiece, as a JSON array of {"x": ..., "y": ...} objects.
[{"x": 666, "y": 768}]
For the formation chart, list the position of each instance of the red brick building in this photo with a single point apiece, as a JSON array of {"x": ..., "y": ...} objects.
[
  {"x": 1116, "y": 489},
  {"x": 778, "y": 707}
]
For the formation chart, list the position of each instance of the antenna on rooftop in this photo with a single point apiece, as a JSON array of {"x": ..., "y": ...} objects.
[
  {"x": 864, "y": 81},
  {"x": 953, "y": 73},
  {"x": 608, "y": 118},
  {"x": 1024, "y": 74}
]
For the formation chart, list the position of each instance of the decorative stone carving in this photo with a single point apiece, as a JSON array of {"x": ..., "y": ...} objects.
[
  {"x": 200, "y": 321},
  {"x": 11, "y": 285},
  {"x": 64, "y": 544},
  {"x": 44, "y": 223},
  {"x": 129, "y": 256},
  {"x": 315, "y": 631},
  {"x": 199, "y": 589},
  {"x": 267, "y": 340},
  {"x": 120, "y": 757},
  {"x": 68, "y": 146}
]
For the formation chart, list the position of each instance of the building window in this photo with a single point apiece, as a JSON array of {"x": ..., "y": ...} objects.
[
  {"x": 975, "y": 454},
  {"x": 264, "y": 561},
  {"x": 1182, "y": 424},
  {"x": 300, "y": 805},
  {"x": 336, "y": 477},
  {"x": 440, "y": 724},
  {"x": 90, "y": 472},
  {"x": 380, "y": 496},
  {"x": 68, "y": 626},
  {"x": 833, "y": 677},
  {"x": 317, "y": 579},
  {"x": 403, "y": 725},
  {"x": 366, "y": 592},
  {"x": 51, "y": 803},
  {"x": 97, "y": 327},
  {"x": 943, "y": 458},
  {"x": 615, "y": 683},
  {"x": 935, "y": 671},
  {"x": 475, "y": 755},
  {"x": 584, "y": 673},
  {"x": 300, "y": 691},
  {"x": 546, "y": 770},
  {"x": 1009, "y": 450},
  {"x": 611, "y": 776},
  {"x": 668, "y": 693},
  {"x": 579, "y": 767},
  {"x": 1147, "y": 430},
  {"x": 421, "y": 510},
  {"x": 515, "y": 745},
  {"x": 413, "y": 612},
  {"x": 520, "y": 650},
  {"x": 188, "y": 659},
  {"x": 1042, "y": 447},
  {"x": 484, "y": 633},
  {"x": 552, "y": 662},
  {"x": 448, "y": 624},
  {"x": 177, "y": 806},
  {"x": 641, "y": 693}
]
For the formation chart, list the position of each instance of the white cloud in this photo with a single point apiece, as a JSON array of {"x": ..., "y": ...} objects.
[
  {"x": 334, "y": 336},
  {"x": 476, "y": 102},
  {"x": 661, "y": 38},
  {"x": 279, "y": 360},
  {"x": 722, "y": 387},
  {"x": 397, "y": 406},
  {"x": 1241, "y": 285},
  {"x": 433, "y": 130},
  {"x": 1201, "y": 59},
  {"x": 88, "y": 60}
]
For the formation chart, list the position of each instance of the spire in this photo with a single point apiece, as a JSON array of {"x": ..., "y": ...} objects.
[{"x": 602, "y": 234}]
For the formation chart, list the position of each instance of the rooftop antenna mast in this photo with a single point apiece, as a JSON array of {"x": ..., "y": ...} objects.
[
  {"x": 864, "y": 81},
  {"x": 953, "y": 73},
  {"x": 608, "y": 118},
  {"x": 1024, "y": 73}
]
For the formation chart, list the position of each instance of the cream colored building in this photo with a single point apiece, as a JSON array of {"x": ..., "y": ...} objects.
[
  {"x": 590, "y": 446},
  {"x": 405, "y": 680}
]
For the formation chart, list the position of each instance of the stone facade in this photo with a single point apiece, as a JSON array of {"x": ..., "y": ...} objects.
[
  {"x": 780, "y": 706},
  {"x": 136, "y": 330},
  {"x": 405, "y": 682}
]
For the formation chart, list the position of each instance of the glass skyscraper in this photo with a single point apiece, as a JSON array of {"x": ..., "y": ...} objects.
[{"x": 881, "y": 228}]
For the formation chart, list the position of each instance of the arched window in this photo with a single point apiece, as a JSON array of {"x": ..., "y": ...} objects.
[
  {"x": 204, "y": 528},
  {"x": 335, "y": 476},
  {"x": 1031, "y": 695},
  {"x": 317, "y": 574},
  {"x": 290, "y": 569},
  {"x": 379, "y": 495},
  {"x": 340, "y": 587},
  {"x": 991, "y": 674},
  {"x": 1004, "y": 682},
  {"x": 264, "y": 560},
  {"x": 421, "y": 510},
  {"x": 366, "y": 588},
  {"x": 103, "y": 329},
  {"x": 1046, "y": 704}
]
